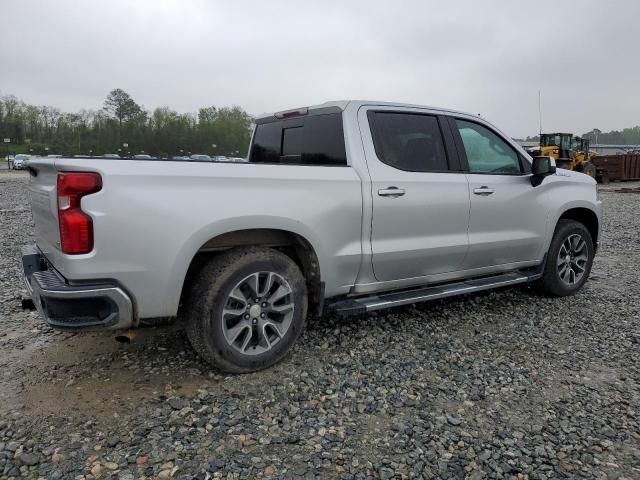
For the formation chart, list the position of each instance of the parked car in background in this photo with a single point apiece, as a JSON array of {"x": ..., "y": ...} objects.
[
  {"x": 19, "y": 161},
  {"x": 202, "y": 158},
  {"x": 180, "y": 157},
  {"x": 142, "y": 156},
  {"x": 111, "y": 155},
  {"x": 219, "y": 158},
  {"x": 54, "y": 156},
  {"x": 349, "y": 207}
]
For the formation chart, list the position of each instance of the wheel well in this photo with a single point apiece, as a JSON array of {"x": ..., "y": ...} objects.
[
  {"x": 587, "y": 218},
  {"x": 291, "y": 244}
]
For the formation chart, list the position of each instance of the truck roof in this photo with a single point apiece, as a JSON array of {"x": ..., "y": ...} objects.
[{"x": 342, "y": 105}]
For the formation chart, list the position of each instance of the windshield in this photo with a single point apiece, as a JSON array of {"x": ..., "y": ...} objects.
[
  {"x": 576, "y": 143},
  {"x": 584, "y": 145},
  {"x": 550, "y": 140}
]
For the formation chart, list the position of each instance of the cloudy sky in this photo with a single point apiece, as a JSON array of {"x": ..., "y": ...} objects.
[{"x": 488, "y": 57}]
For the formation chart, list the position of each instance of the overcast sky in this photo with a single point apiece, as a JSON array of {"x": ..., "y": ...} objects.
[{"x": 487, "y": 57}]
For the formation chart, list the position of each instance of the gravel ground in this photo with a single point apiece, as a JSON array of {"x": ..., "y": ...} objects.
[{"x": 505, "y": 384}]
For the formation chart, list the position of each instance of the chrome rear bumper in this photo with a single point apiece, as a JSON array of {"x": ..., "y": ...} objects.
[{"x": 86, "y": 306}]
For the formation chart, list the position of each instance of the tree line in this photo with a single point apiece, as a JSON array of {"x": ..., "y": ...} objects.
[
  {"x": 626, "y": 136},
  {"x": 123, "y": 126}
]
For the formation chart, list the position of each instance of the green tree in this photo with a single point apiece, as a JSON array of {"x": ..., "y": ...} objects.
[{"x": 120, "y": 104}]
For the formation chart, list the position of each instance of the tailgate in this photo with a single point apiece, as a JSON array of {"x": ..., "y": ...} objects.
[{"x": 44, "y": 208}]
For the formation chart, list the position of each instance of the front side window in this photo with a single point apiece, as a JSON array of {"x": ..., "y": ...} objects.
[
  {"x": 486, "y": 151},
  {"x": 409, "y": 141}
]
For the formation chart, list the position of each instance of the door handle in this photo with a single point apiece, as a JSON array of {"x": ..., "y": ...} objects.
[
  {"x": 483, "y": 190},
  {"x": 391, "y": 192}
]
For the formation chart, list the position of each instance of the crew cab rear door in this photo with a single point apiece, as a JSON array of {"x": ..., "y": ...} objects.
[
  {"x": 507, "y": 223},
  {"x": 420, "y": 199}
]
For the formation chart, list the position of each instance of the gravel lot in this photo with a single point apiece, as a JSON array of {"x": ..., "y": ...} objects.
[{"x": 505, "y": 384}]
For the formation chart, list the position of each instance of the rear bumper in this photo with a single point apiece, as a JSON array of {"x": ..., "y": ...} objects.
[{"x": 90, "y": 306}]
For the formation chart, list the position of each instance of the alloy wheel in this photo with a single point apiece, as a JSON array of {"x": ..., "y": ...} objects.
[
  {"x": 258, "y": 313},
  {"x": 573, "y": 257}
]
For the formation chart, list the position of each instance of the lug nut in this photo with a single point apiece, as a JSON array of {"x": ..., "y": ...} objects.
[
  {"x": 263, "y": 315},
  {"x": 246, "y": 315},
  {"x": 264, "y": 304},
  {"x": 255, "y": 320}
]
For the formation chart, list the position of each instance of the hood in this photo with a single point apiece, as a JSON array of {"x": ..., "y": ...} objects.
[{"x": 575, "y": 176}]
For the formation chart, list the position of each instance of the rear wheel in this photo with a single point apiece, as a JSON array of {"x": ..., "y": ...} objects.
[
  {"x": 246, "y": 309},
  {"x": 569, "y": 259}
]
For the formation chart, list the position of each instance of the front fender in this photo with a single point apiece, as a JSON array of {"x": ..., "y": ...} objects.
[{"x": 593, "y": 206}]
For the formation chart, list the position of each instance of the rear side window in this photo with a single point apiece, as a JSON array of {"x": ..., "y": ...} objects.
[
  {"x": 409, "y": 141},
  {"x": 310, "y": 140},
  {"x": 267, "y": 141}
]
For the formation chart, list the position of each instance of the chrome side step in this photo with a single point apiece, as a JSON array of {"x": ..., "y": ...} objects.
[{"x": 356, "y": 306}]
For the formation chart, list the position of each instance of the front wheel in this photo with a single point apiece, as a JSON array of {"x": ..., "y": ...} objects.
[
  {"x": 569, "y": 259},
  {"x": 589, "y": 168},
  {"x": 247, "y": 307}
]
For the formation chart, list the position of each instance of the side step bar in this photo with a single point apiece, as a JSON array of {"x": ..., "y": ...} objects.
[{"x": 356, "y": 306}]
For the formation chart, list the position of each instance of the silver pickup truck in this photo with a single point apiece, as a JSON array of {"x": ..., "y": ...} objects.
[{"x": 345, "y": 207}]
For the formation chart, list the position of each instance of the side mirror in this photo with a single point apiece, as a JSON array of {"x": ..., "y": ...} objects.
[{"x": 542, "y": 167}]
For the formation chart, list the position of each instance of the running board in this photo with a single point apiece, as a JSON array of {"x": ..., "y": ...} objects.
[{"x": 356, "y": 306}]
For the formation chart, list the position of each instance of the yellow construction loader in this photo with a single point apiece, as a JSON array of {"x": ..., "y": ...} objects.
[{"x": 570, "y": 152}]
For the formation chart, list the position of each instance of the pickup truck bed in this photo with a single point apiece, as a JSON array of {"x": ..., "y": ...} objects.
[{"x": 169, "y": 211}]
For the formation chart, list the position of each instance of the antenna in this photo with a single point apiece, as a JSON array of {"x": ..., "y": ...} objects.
[{"x": 539, "y": 113}]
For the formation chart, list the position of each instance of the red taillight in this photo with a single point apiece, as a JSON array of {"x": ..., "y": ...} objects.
[
  {"x": 297, "y": 112},
  {"x": 76, "y": 227}
]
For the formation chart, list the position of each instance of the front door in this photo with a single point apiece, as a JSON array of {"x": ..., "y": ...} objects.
[
  {"x": 420, "y": 206},
  {"x": 507, "y": 223}
]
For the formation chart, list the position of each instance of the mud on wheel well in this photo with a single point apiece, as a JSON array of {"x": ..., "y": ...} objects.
[
  {"x": 588, "y": 218},
  {"x": 291, "y": 244}
]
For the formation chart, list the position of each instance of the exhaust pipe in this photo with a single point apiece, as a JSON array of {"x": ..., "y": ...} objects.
[
  {"x": 126, "y": 336},
  {"x": 27, "y": 304}
]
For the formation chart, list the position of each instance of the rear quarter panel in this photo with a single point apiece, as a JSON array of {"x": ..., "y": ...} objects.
[{"x": 151, "y": 217}]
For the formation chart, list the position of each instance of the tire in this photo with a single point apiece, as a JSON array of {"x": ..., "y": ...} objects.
[
  {"x": 602, "y": 176},
  {"x": 589, "y": 168},
  {"x": 571, "y": 242},
  {"x": 241, "y": 336}
]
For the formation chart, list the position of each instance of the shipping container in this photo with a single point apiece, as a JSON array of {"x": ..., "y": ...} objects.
[{"x": 619, "y": 167}]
